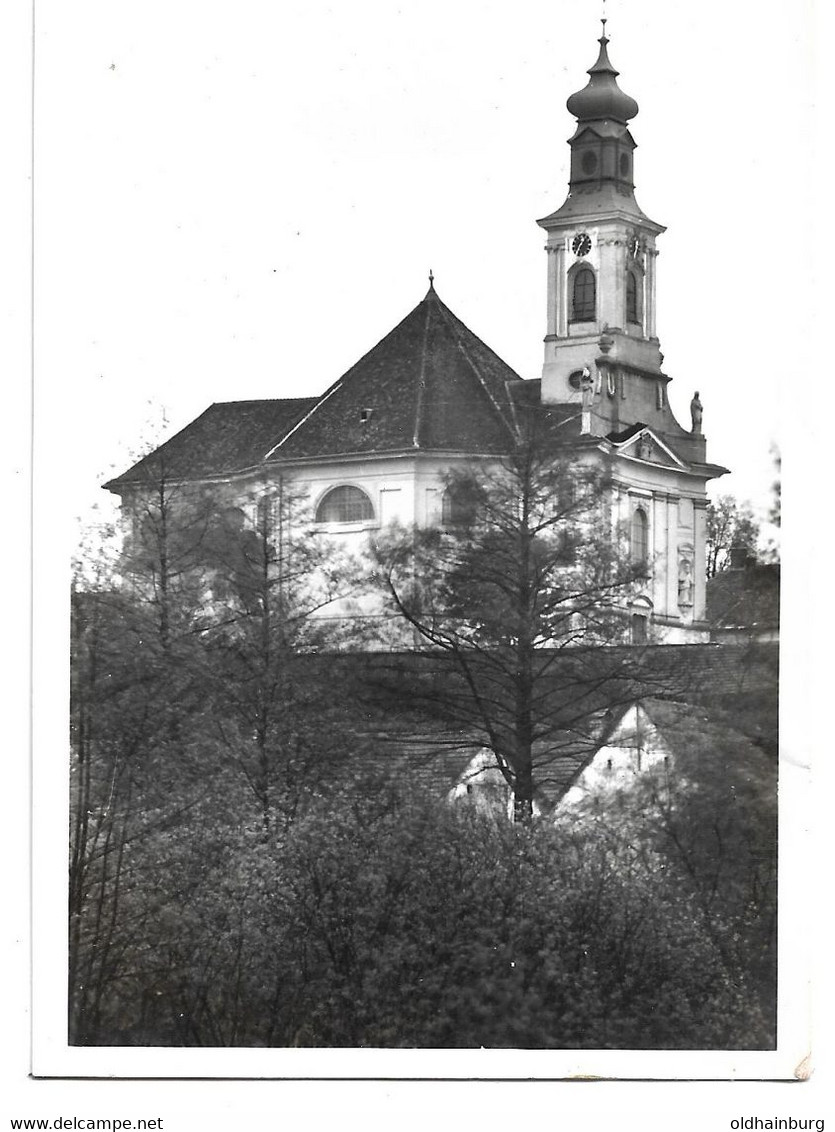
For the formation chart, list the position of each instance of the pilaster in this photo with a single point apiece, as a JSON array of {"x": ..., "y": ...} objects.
[
  {"x": 551, "y": 320},
  {"x": 660, "y": 525},
  {"x": 672, "y": 556},
  {"x": 652, "y": 255},
  {"x": 699, "y": 559}
]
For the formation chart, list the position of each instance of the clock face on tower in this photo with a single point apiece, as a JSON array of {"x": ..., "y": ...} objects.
[{"x": 581, "y": 244}]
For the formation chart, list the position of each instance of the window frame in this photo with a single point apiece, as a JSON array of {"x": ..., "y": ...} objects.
[
  {"x": 367, "y": 518},
  {"x": 638, "y": 628},
  {"x": 639, "y": 547},
  {"x": 579, "y": 272},
  {"x": 633, "y": 308}
]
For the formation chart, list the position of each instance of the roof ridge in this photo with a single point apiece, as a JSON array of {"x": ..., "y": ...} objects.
[
  {"x": 264, "y": 400},
  {"x": 421, "y": 390},
  {"x": 465, "y": 353},
  {"x": 337, "y": 385}
]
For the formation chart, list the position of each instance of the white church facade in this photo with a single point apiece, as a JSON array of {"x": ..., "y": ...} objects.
[{"x": 431, "y": 396}]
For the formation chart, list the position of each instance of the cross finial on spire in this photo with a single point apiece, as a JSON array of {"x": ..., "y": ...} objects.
[{"x": 431, "y": 280}]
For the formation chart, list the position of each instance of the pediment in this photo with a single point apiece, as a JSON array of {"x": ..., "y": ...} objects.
[{"x": 650, "y": 449}]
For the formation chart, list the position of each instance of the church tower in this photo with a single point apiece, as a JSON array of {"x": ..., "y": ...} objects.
[
  {"x": 602, "y": 354},
  {"x": 601, "y": 257}
]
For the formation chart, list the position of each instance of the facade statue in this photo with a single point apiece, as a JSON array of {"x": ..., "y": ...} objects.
[
  {"x": 587, "y": 387},
  {"x": 696, "y": 413},
  {"x": 685, "y": 582}
]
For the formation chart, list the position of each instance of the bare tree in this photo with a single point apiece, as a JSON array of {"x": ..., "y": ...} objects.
[
  {"x": 519, "y": 597},
  {"x": 280, "y": 720}
]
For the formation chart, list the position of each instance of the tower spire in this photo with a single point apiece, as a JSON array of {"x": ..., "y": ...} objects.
[
  {"x": 602, "y": 98},
  {"x": 601, "y": 265}
]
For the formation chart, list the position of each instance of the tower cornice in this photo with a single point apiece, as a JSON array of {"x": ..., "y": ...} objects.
[{"x": 571, "y": 215}]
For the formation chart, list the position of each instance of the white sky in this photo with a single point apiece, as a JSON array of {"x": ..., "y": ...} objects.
[{"x": 239, "y": 200}]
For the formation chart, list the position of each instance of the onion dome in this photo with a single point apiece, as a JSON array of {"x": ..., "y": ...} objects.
[{"x": 602, "y": 97}]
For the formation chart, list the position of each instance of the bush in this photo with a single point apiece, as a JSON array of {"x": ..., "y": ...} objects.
[{"x": 411, "y": 927}]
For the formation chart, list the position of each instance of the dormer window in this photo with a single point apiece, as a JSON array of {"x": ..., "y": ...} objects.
[{"x": 366, "y": 415}]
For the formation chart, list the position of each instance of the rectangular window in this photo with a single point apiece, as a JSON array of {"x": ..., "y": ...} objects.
[{"x": 639, "y": 629}]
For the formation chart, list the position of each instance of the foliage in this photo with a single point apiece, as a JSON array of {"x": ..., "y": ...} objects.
[
  {"x": 236, "y": 880},
  {"x": 770, "y": 552},
  {"x": 427, "y": 927},
  {"x": 276, "y": 722},
  {"x": 712, "y": 819},
  {"x": 137, "y": 716},
  {"x": 730, "y": 524},
  {"x": 188, "y": 689}
]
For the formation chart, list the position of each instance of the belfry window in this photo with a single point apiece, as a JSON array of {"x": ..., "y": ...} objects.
[
  {"x": 345, "y": 504},
  {"x": 583, "y": 295},
  {"x": 631, "y": 297}
]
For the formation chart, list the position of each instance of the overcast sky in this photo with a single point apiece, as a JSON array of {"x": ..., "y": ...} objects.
[{"x": 239, "y": 200}]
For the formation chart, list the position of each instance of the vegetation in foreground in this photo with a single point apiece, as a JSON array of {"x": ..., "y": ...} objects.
[{"x": 233, "y": 883}]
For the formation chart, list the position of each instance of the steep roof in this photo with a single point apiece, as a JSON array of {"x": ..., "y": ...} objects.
[
  {"x": 433, "y": 761},
  {"x": 227, "y": 437},
  {"x": 430, "y": 385}
]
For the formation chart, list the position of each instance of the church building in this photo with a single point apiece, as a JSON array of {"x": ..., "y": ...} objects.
[{"x": 431, "y": 396}]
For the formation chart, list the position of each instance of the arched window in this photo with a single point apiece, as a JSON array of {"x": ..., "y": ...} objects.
[
  {"x": 632, "y": 297},
  {"x": 639, "y": 537},
  {"x": 583, "y": 295},
  {"x": 345, "y": 505}
]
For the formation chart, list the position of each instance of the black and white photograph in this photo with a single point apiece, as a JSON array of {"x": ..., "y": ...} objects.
[{"x": 414, "y": 386}]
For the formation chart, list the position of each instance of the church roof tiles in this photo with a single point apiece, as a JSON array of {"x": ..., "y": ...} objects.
[
  {"x": 228, "y": 437},
  {"x": 430, "y": 385}
]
